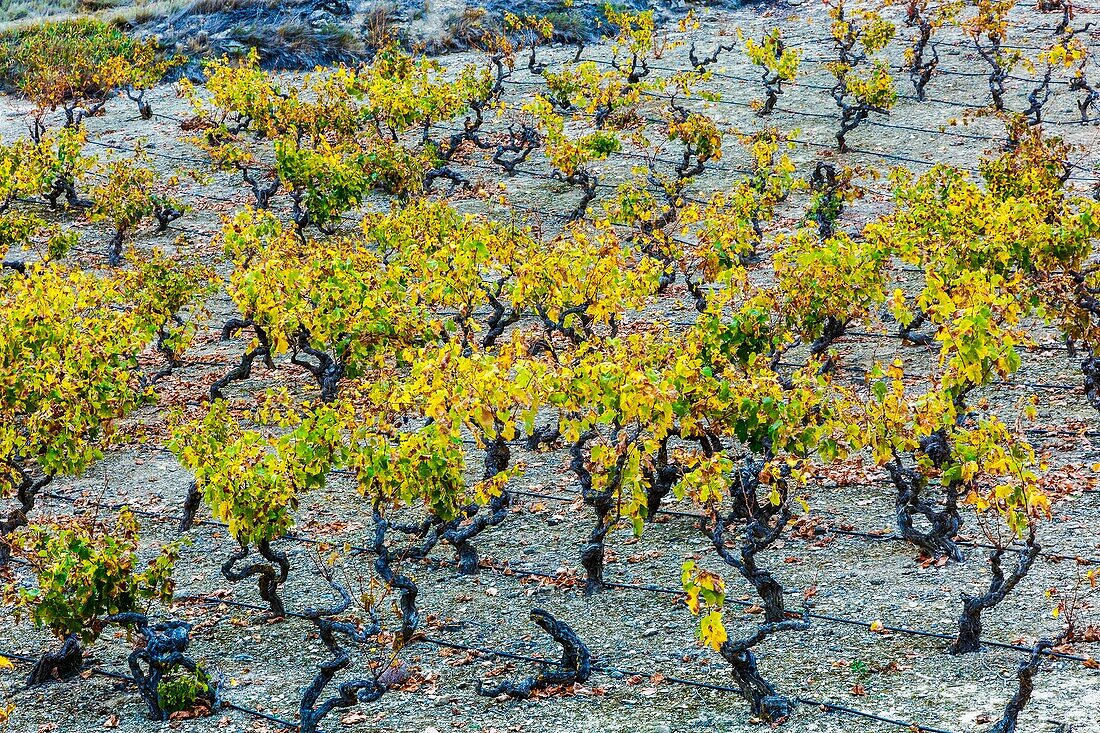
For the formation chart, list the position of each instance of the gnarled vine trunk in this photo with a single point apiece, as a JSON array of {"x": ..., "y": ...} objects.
[
  {"x": 312, "y": 709},
  {"x": 944, "y": 524},
  {"x": 66, "y": 663},
  {"x": 575, "y": 666},
  {"x": 1025, "y": 676},
  {"x": 268, "y": 576},
  {"x": 757, "y": 536},
  {"x": 970, "y": 621},
  {"x": 763, "y": 698}
]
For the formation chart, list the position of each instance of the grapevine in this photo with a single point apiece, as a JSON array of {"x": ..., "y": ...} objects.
[{"x": 444, "y": 346}]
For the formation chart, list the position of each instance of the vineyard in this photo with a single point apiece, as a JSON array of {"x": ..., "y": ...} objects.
[{"x": 602, "y": 368}]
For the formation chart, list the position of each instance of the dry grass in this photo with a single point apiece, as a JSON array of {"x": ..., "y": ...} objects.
[
  {"x": 467, "y": 29},
  {"x": 209, "y": 7},
  {"x": 14, "y": 10},
  {"x": 379, "y": 24},
  {"x": 21, "y": 13},
  {"x": 16, "y": 14}
]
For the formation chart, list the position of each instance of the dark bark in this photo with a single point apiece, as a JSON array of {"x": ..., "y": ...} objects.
[
  {"x": 1025, "y": 676},
  {"x": 853, "y": 111},
  {"x": 662, "y": 478},
  {"x": 970, "y": 622},
  {"x": 701, "y": 64},
  {"x": 261, "y": 192},
  {"x": 587, "y": 183},
  {"x": 63, "y": 664},
  {"x": 944, "y": 523},
  {"x": 64, "y": 186},
  {"x": 312, "y": 710},
  {"x": 1090, "y": 368},
  {"x": 445, "y": 172},
  {"x": 593, "y": 550},
  {"x": 269, "y": 575},
  {"x": 459, "y": 532},
  {"x": 602, "y": 502},
  {"x": 171, "y": 358},
  {"x": 764, "y": 701},
  {"x": 114, "y": 248},
  {"x": 575, "y": 666},
  {"x": 921, "y": 68},
  {"x": 832, "y": 329},
  {"x": 827, "y": 205},
  {"x": 502, "y": 317},
  {"x": 757, "y": 536},
  {"x": 191, "y": 504},
  {"x": 851, "y": 115},
  {"x": 137, "y": 96},
  {"x": 909, "y": 333},
  {"x": 744, "y": 504},
  {"x": 519, "y": 146},
  {"x": 1037, "y": 99},
  {"x": 165, "y": 213},
  {"x": 75, "y": 113},
  {"x": 638, "y": 69},
  {"x": 244, "y": 369},
  {"x": 543, "y": 435},
  {"x": 1086, "y": 102},
  {"x": 165, "y": 651},
  {"x": 26, "y": 491},
  {"x": 37, "y": 127},
  {"x": 691, "y": 165},
  {"x": 327, "y": 372},
  {"x": 471, "y": 126},
  {"x": 384, "y": 562},
  {"x": 997, "y": 73}
]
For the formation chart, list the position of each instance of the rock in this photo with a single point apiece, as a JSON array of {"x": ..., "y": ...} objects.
[{"x": 650, "y": 632}]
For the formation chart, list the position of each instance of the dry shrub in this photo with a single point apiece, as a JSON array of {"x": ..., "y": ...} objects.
[
  {"x": 210, "y": 7},
  {"x": 379, "y": 24}
]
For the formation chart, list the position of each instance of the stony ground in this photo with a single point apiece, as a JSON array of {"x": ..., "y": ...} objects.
[{"x": 648, "y": 635}]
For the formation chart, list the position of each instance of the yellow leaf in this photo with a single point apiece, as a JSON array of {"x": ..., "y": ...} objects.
[{"x": 711, "y": 630}]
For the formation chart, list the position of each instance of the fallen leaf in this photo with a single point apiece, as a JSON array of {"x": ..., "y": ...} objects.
[{"x": 354, "y": 717}]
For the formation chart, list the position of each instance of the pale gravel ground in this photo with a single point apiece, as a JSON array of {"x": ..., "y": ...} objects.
[{"x": 267, "y": 666}]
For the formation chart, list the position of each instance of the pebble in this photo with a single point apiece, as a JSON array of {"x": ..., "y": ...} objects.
[{"x": 650, "y": 632}]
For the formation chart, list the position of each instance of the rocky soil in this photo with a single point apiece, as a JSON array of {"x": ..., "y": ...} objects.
[{"x": 647, "y": 636}]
